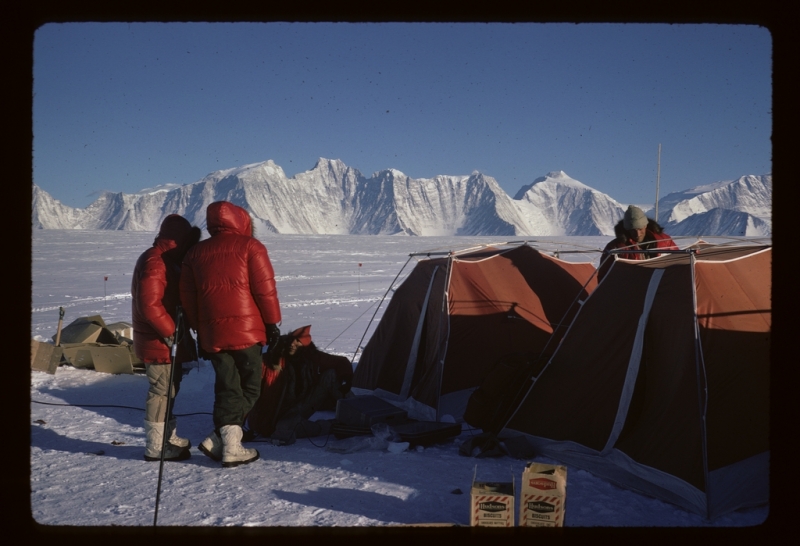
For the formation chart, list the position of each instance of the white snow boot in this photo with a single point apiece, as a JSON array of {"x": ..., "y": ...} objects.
[
  {"x": 212, "y": 446},
  {"x": 154, "y": 438},
  {"x": 233, "y": 453},
  {"x": 173, "y": 438}
]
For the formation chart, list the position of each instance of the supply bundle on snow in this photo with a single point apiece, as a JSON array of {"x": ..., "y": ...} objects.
[
  {"x": 455, "y": 317},
  {"x": 296, "y": 382},
  {"x": 661, "y": 384},
  {"x": 88, "y": 342}
]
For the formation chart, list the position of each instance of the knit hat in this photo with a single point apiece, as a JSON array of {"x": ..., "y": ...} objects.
[
  {"x": 302, "y": 334},
  {"x": 634, "y": 218}
]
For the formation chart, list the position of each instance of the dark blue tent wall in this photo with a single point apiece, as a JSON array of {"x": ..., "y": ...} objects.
[{"x": 662, "y": 388}]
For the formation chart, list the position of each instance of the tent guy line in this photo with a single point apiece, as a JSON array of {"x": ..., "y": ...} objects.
[{"x": 113, "y": 406}]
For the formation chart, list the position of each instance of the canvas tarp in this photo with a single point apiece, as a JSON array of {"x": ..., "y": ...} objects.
[
  {"x": 455, "y": 316},
  {"x": 661, "y": 383}
]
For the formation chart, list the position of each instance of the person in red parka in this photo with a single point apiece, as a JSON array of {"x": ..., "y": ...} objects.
[
  {"x": 229, "y": 295},
  {"x": 155, "y": 298},
  {"x": 634, "y": 233},
  {"x": 298, "y": 380}
]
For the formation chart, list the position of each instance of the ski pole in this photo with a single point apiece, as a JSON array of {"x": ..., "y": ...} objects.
[{"x": 173, "y": 353}]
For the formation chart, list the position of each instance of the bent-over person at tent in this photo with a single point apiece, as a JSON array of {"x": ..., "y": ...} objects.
[
  {"x": 228, "y": 291},
  {"x": 298, "y": 380},
  {"x": 154, "y": 300},
  {"x": 634, "y": 233}
]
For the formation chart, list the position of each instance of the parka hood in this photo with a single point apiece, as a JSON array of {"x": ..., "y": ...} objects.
[
  {"x": 173, "y": 231},
  {"x": 224, "y": 216},
  {"x": 174, "y": 227},
  {"x": 302, "y": 334}
]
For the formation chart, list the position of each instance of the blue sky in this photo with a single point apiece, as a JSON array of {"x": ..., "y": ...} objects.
[{"x": 123, "y": 107}]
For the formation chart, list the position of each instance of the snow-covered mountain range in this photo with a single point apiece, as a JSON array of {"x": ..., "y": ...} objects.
[
  {"x": 333, "y": 198},
  {"x": 734, "y": 207}
]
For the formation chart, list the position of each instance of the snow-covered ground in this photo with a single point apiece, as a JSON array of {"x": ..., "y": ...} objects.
[{"x": 87, "y": 437}]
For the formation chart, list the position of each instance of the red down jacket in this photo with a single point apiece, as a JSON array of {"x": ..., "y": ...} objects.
[
  {"x": 654, "y": 238},
  {"x": 154, "y": 290},
  {"x": 227, "y": 283}
]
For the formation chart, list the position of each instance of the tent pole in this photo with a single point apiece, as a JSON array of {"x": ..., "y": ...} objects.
[
  {"x": 441, "y": 354},
  {"x": 379, "y": 306},
  {"x": 702, "y": 384}
]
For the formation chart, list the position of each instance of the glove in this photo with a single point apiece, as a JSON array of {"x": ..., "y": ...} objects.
[
  {"x": 168, "y": 341},
  {"x": 273, "y": 333}
]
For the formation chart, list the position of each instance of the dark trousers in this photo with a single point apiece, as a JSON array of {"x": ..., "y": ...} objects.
[{"x": 237, "y": 384}]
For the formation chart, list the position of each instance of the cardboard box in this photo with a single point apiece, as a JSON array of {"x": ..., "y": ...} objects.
[
  {"x": 87, "y": 330},
  {"x": 111, "y": 359},
  {"x": 543, "y": 496},
  {"x": 77, "y": 355},
  {"x": 93, "y": 318},
  {"x": 492, "y": 503},
  {"x": 45, "y": 357},
  {"x": 102, "y": 358},
  {"x": 122, "y": 330},
  {"x": 128, "y": 344},
  {"x": 135, "y": 360}
]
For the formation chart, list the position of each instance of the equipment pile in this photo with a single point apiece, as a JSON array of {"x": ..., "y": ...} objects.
[{"x": 88, "y": 342}]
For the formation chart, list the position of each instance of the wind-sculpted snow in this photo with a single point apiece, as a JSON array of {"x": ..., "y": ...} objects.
[{"x": 335, "y": 199}]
